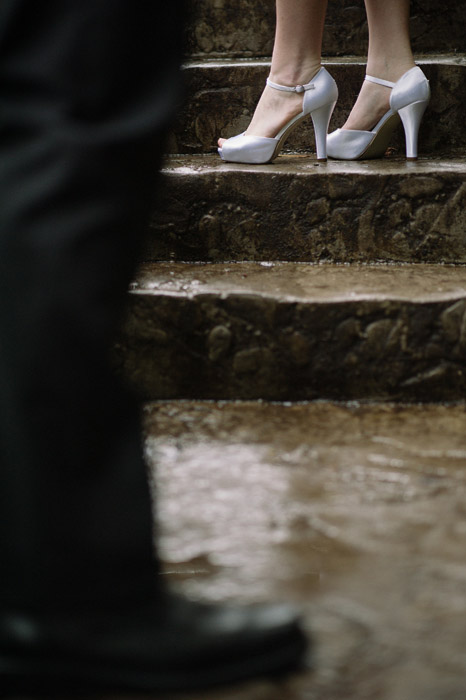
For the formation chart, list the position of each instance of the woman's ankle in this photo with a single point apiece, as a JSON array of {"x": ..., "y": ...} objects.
[
  {"x": 294, "y": 75},
  {"x": 389, "y": 70}
]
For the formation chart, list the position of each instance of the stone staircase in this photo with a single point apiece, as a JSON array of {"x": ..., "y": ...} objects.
[
  {"x": 219, "y": 29},
  {"x": 298, "y": 280},
  {"x": 285, "y": 323}
]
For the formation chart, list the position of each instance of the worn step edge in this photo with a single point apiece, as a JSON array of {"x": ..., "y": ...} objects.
[
  {"x": 221, "y": 97},
  {"x": 296, "y": 332},
  {"x": 297, "y": 209},
  {"x": 450, "y": 59},
  {"x": 303, "y": 282}
]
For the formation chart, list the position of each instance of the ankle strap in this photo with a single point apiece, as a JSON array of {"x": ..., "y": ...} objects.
[
  {"x": 285, "y": 88},
  {"x": 379, "y": 81}
]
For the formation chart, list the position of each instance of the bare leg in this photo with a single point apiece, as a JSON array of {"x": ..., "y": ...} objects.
[
  {"x": 388, "y": 58},
  {"x": 295, "y": 61}
]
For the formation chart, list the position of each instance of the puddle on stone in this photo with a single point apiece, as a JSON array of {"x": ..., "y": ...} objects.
[{"x": 356, "y": 512}]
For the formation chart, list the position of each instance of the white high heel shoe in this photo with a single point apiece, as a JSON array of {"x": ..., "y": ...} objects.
[
  {"x": 408, "y": 101},
  {"x": 319, "y": 99}
]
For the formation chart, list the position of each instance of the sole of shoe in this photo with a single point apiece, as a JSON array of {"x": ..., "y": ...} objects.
[{"x": 52, "y": 678}]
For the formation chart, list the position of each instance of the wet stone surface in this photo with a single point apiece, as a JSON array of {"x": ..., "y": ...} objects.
[
  {"x": 297, "y": 209},
  {"x": 293, "y": 331},
  {"x": 222, "y": 95},
  {"x": 356, "y": 512},
  {"x": 246, "y": 28}
]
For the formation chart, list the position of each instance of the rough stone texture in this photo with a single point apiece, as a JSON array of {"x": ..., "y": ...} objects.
[
  {"x": 246, "y": 28},
  {"x": 355, "y": 512},
  {"x": 243, "y": 28},
  {"x": 296, "y": 209},
  {"x": 296, "y": 332},
  {"x": 221, "y": 98}
]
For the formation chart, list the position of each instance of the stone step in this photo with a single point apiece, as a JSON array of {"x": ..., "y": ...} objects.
[
  {"x": 246, "y": 28},
  {"x": 222, "y": 95},
  {"x": 297, "y": 209},
  {"x": 291, "y": 331},
  {"x": 355, "y": 512}
]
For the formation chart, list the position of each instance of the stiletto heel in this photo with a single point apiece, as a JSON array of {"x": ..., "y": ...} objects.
[
  {"x": 408, "y": 101},
  {"x": 411, "y": 116},
  {"x": 321, "y": 119},
  {"x": 319, "y": 98}
]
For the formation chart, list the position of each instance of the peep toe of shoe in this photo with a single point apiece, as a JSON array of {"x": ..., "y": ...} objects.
[
  {"x": 408, "y": 101},
  {"x": 319, "y": 99}
]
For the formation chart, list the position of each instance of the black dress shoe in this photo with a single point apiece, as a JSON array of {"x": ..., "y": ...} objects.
[{"x": 168, "y": 645}]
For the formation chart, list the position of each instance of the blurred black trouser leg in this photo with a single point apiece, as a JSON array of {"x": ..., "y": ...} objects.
[{"x": 86, "y": 90}]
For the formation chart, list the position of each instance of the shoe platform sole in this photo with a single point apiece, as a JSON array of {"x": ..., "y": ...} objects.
[{"x": 41, "y": 676}]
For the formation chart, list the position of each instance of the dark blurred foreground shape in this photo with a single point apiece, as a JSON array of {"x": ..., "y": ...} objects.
[{"x": 87, "y": 89}]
